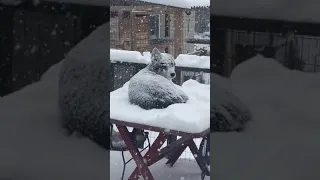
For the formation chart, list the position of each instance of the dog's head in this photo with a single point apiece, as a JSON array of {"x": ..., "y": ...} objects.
[{"x": 163, "y": 64}]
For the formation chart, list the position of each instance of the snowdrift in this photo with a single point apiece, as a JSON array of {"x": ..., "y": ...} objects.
[
  {"x": 281, "y": 143},
  {"x": 33, "y": 145},
  {"x": 192, "y": 117}
]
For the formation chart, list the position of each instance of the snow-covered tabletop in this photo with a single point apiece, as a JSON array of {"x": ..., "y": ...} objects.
[{"x": 190, "y": 117}]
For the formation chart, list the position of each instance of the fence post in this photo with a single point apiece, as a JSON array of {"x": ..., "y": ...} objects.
[{"x": 111, "y": 76}]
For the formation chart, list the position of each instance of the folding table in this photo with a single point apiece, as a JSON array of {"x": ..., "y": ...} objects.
[{"x": 154, "y": 154}]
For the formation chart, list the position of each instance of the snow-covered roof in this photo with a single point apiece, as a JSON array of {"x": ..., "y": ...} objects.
[
  {"x": 294, "y": 10},
  {"x": 181, "y": 3}
]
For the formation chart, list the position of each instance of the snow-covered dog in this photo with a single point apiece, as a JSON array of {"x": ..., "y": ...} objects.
[
  {"x": 84, "y": 88},
  {"x": 152, "y": 87}
]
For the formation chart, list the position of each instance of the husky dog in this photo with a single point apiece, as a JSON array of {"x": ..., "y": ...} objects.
[
  {"x": 152, "y": 87},
  {"x": 84, "y": 88}
]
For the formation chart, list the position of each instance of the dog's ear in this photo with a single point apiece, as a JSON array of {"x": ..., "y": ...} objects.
[{"x": 155, "y": 54}]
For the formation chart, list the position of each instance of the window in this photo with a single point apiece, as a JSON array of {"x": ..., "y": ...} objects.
[
  {"x": 126, "y": 14},
  {"x": 154, "y": 24},
  {"x": 166, "y": 50},
  {"x": 167, "y": 25}
]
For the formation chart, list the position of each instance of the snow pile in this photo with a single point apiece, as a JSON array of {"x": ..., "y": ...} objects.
[
  {"x": 204, "y": 35},
  {"x": 282, "y": 141},
  {"x": 192, "y": 116},
  {"x": 183, "y": 60},
  {"x": 33, "y": 145},
  {"x": 201, "y": 46},
  {"x": 51, "y": 74},
  {"x": 128, "y": 56}
]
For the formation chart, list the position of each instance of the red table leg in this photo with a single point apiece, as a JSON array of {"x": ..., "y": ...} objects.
[
  {"x": 176, "y": 154},
  {"x": 141, "y": 166},
  {"x": 201, "y": 162},
  {"x": 151, "y": 156}
]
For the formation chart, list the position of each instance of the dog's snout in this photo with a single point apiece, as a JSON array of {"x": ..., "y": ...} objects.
[{"x": 173, "y": 75}]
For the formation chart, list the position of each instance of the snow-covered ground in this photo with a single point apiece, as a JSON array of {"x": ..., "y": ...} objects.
[
  {"x": 282, "y": 141},
  {"x": 32, "y": 143},
  {"x": 183, "y": 169}
]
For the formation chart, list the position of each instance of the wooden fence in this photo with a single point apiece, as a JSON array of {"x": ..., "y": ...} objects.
[{"x": 34, "y": 37}]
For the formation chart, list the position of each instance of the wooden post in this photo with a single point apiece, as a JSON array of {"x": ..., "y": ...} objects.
[
  {"x": 228, "y": 55},
  {"x": 132, "y": 30}
]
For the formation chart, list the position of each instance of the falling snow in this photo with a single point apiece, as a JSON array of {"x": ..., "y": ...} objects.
[{"x": 188, "y": 170}]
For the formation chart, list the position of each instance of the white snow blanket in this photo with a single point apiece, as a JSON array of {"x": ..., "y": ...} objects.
[
  {"x": 33, "y": 144},
  {"x": 190, "y": 117},
  {"x": 282, "y": 141}
]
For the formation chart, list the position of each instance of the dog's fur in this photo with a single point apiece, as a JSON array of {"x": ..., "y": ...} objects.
[
  {"x": 152, "y": 87},
  {"x": 84, "y": 88}
]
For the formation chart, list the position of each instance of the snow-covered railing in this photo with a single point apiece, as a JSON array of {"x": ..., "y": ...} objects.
[
  {"x": 125, "y": 64},
  {"x": 183, "y": 60}
]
